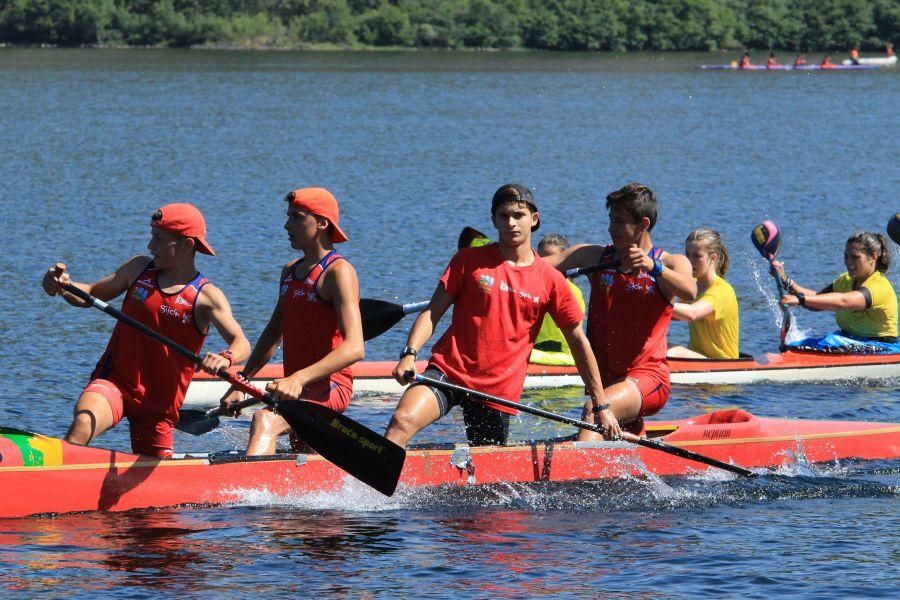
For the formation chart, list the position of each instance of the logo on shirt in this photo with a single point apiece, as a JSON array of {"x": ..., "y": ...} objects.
[
  {"x": 147, "y": 282},
  {"x": 140, "y": 294},
  {"x": 504, "y": 287},
  {"x": 180, "y": 300},
  {"x": 606, "y": 279},
  {"x": 486, "y": 283},
  {"x": 171, "y": 311},
  {"x": 284, "y": 288}
]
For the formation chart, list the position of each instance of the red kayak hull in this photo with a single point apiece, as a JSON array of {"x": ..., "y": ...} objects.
[{"x": 41, "y": 475}]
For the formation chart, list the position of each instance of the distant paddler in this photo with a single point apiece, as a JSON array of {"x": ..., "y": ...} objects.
[
  {"x": 630, "y": 307},
  {"x": 137, "y": 377},
  {"x": 550, "y": 347},
  {"x": 713, "y": 317},
  {"x": 862, "y": 297},
  {"x": 745, "y": 63},
  {"x": 826, "y": 63},
  {"x": 854, "y": 55},
  {"x": 316, "y": 318},
  {"x": 500, "y": 293},
  {"x": 771, "y": 62}
]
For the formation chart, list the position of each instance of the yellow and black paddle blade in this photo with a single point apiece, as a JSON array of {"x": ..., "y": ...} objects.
[{"x": 368, "y": 456}]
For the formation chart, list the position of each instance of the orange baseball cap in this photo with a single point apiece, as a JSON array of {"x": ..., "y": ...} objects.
[
  {"x": 184, "y": 219},
  {"x": 319, "y": 201}
]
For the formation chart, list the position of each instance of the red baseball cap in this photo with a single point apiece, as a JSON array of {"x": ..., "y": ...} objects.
[
  {"x": 184, "y": 219},
  {"x": 319, "y": 201}
]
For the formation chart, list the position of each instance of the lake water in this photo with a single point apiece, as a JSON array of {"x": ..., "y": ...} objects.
[{"x": 414, "y": 144}]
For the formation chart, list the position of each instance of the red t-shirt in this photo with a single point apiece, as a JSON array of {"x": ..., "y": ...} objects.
[{"x": 497, "y": 313}]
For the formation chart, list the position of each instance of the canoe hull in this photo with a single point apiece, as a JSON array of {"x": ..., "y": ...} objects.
[
  {"x": 374, "y": 377},
  {"x": 47, "y": 475}
]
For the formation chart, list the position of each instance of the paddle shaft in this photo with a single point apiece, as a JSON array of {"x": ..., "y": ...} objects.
[{"x": 628, "y": 437}]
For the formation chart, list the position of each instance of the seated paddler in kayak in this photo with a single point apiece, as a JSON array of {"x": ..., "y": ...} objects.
[
  {"x": 712, "y": 316},
  {"x": 500, "y": 293},
  {"x": 854, "y": 55},
  {"x": 630, "y": 306},
  {"x": 316, "y": 318},
  {"x": 137, "y": 377},
  {"x": 550, "y": 347},
  {"x": 826, "y": 63},
  {"x": 862, "y": 297},
  {"x": 771, "y": 62},
  {"x": 745, "y": 61}
]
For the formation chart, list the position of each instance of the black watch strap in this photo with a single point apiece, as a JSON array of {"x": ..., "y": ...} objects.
[{"x": 409, "y": 350}]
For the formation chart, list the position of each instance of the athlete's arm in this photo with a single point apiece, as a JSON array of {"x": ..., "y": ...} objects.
[
  {"x": 854, "y": 301},
  {"x": 580, "y": 255},
  {"x": 213, "y": 308},
  {"x": 676, "y": 278},
  {"x": 262, "y": 352},
  {"x": 105, "y": 289},
  {"x": 692, "y": 312},
  {"x": 590, "y": 374},
  {"x": 423, "y": 329},
  {"x": 339, "y": 286}
]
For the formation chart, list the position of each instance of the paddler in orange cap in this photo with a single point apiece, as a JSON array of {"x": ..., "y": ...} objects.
[
  {"x": 500, "y": 293},
  {"x": 316, "y": 318},
  {"x": 630, "y": 307},
  {"x": 137, "y": 377},
  {"x": 854, "y": 55}
]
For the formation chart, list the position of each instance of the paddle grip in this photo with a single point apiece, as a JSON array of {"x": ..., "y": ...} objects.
[{"x": 570, "y": 273}]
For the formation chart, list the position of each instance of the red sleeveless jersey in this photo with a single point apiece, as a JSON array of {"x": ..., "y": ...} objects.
[
  {"x": 627, "y": 321},
  {"x": 309, "y": 326},
  {"x": 154, "y": 376}
]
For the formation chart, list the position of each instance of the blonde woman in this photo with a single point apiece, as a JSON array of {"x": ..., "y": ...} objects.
[{"x": 713, "y": 315}]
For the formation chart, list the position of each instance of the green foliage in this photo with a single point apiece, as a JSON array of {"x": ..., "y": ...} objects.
[{"x": 797, "y": 25}]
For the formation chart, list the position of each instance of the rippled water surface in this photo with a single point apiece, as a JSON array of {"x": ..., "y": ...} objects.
[{"x": 414, "y": 144}]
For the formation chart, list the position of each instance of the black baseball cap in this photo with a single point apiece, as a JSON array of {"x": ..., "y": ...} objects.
[{"x": 514, "y": 192}]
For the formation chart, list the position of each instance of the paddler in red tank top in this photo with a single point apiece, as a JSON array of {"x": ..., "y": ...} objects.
[
  {"x": 631, "y": 306},
  {"x": 500, "y": 293},
  {"x": 137, "y": 377},
  {"x": 316, "y": 318}
]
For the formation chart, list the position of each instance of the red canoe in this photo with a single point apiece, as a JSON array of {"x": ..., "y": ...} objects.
[
  {"x": 40, "y": 474},
  {"x": 780, "y": 367}
]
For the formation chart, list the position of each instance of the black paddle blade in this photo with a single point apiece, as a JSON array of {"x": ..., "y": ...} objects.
[
  {"x": 368, "y": 456},
  {"x": 767, "y": 239},
  {"x": 893, "y": 228},
  {"x": 196, "y": 422},
  {"x": 469, "y": 235},
  {"x": 378, "y": 316}
]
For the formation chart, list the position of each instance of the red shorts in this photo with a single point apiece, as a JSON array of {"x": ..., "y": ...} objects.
[
  {"x": 153, "y": 435},
  {"x": 331, "y": 394},
  {"x": 654, "y": 387}
]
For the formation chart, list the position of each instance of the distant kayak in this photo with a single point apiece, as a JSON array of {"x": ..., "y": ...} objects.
[
  {"x": 842, "y": 67},
  {"x": 880, "y": 61}
]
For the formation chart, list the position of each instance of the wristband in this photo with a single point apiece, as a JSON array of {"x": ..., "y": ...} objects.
[
  {"x": 801, "y": 298},
  {"x": 599, "y": 408},
  {"x": 657, "y": 268},
  {"x": 227, "y": 355}
]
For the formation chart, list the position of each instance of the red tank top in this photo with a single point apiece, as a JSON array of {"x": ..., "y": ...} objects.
[
  {"x": 154, "y": 376},
  {"x": 309, "y": 325},
  {"x": 627, "y": 321}
]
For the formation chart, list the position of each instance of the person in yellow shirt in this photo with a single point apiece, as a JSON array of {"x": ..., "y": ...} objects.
[
  {"x": 713, "y": 315},
  {"x": 550, "y": 347},
  {"x": 862, "y": 297}
]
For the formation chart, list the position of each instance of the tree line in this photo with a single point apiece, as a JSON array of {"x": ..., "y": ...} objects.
[{"x": 611, "y": 25}]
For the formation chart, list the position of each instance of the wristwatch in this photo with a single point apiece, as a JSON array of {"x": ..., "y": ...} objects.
[{"x": 409, "y": 350}]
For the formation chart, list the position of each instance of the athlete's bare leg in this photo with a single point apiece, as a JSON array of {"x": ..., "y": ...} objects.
[
  {"x": 265, "y": 428},
  {"x": 682, "y": 352},
  {"x": 624, "y": 397},
  {"x": 417, "y": 409},
  {"x": 91, "y": 417}
]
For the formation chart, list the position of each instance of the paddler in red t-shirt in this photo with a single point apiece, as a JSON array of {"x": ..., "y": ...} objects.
[
  {"x": 745, "y": 61},
  {"x": 631, "y": 306},
  {"x": 771, "y": 62},
  {"x": 826, "y": 63},
  {"x": 137, "y": 377},
  {"x": 316, "y": 318},
  {"x": 500, "y": 293}
]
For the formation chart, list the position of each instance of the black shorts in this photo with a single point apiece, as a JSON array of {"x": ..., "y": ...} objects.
[{"x": 484, "y": 426}]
